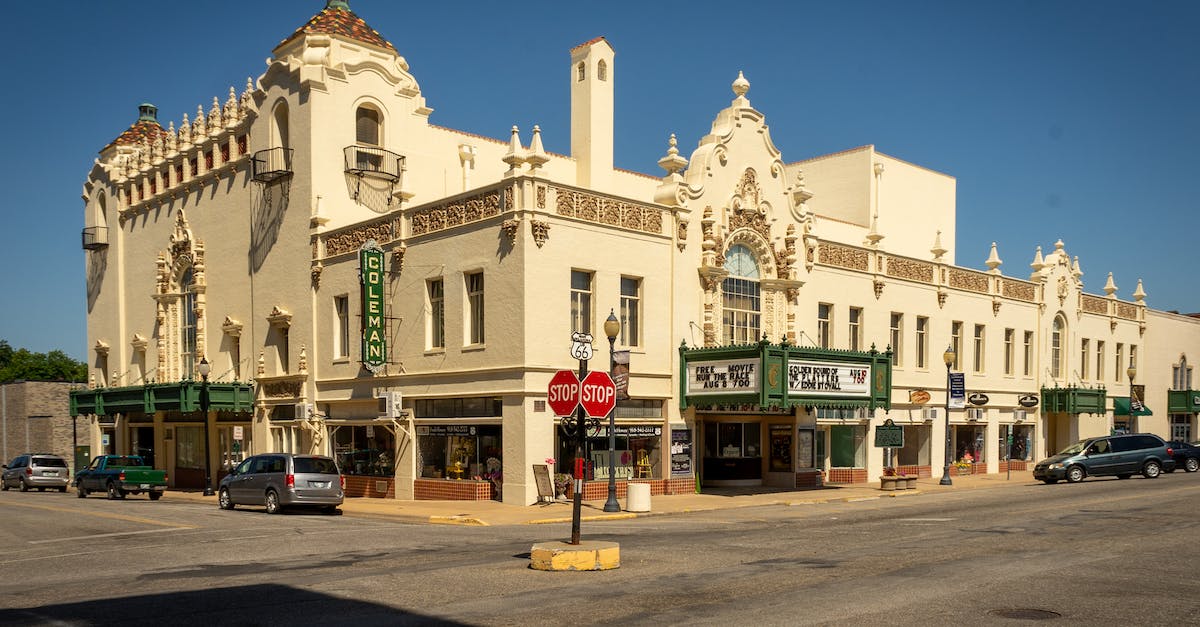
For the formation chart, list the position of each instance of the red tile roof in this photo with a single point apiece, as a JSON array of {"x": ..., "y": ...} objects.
[
  {"x": 340, "y": 21},
  {"x": 588, "y": 43},
  {"x": 142, "y": 129}
]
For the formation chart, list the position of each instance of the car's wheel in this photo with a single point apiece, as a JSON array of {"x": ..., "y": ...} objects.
[
  {"x": 1075, "y": 474},
  {"x": 154, "y": 496},
  {"x": 1151, "y": 470},
  {"x": 4, "y": 486},
  {"x": 62, "y": 488},
  {"x": 114, "y": 492},
  {"x": 330, "y": 509},
  {"x": 80, "y": 491},
  {"x": 1049, "y": 481},
  {"x": 223, "y": 500},
  {"x": 273, "y": 506},
  {"x": 1123, "y": 476},
  {"x": 1191, "y": 464},
  {"x": 24, "y": 486}
]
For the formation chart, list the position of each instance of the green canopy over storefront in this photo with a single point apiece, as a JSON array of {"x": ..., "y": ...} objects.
[{"x": 1121, "y": 407}]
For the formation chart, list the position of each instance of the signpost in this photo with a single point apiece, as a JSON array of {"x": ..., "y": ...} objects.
[{"x": 889, "y": 436}]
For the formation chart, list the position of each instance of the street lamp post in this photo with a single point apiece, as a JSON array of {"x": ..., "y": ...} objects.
[
  {"x": 205, "y": 368},
  {"x": 947, "y": 357},
  {"x": 1132, "y": 372},
  {"x": 612, "y": 327}
]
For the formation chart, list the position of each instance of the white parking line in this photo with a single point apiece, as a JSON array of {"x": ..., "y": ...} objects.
[{"x": 107, "y": 535}]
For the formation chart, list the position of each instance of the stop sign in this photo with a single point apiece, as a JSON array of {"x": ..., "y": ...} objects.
[
  {"x": 563, "y": 394},
  {"x": 597, "y": 394}
]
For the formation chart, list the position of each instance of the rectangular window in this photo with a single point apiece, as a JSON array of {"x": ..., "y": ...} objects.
[
  {"x": 581, "y": 301},
  {"x": 896, "y": 334},
  {"x": 978, "y": 347},
  {"x": 855, "y": 319},
  {"x": 436, "y": 289},
  {"x": 1028, "y": 354},
  {"x": 922, "y": 341},
  {"x": 1099, "y": 360},
  {"x": 341, "y": 334},
  {"x": 956, "y": 330},
  {"x": 1133, "y": 356},
  {"x": 475, "y": 307},
  {"x": 1009, "y": 338},
  {"x": 740, "y": 319},
  {"x": 631, "y": 318},
  {"x": 824, "y": 319},
  {"x": 1085, "y": 357},
  {"x": 1119, "y": 371}
]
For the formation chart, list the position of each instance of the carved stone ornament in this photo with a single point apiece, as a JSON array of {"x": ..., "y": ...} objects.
[
  {"x": 941, "y": 296},
  {"x": 878, "y": 284},
  {"x": 995, "y": 307},
  {"x": 315, "y": 271},
  {"x": 510, "y": 227},
  {"x": 279, "y": 318},
  {"x": 398, "y": 258},
  {"x": 749, "y": 211},
  {"x": 1062, "y": 290},
  {"x": 231, "y": 327},
  {"x": 681, "y": 234},
  {"x": 540, "y": 230}
]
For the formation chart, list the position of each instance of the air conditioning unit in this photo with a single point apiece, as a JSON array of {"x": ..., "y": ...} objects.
[
  {"x": 974, "y": 413},
  {"x": 929, "y": 414},
  {"x": 391, "y": 405},
  {"x": 1019, "y": 415},
  {"x": 303, "y": 411}
]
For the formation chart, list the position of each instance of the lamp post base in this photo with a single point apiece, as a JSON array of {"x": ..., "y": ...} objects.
[
  {"x": 611, "y": 505},
  {"x": 946, "y": 477}
]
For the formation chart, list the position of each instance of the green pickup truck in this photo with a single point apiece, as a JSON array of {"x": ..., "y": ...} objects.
[{"x": 118, "y": 475}]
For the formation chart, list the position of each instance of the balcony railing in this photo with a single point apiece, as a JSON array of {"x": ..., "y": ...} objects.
[
  {"x": 370, "y": 161},
  {"x": 272, "y": 164},
  {"x": 95, "y": 237}
]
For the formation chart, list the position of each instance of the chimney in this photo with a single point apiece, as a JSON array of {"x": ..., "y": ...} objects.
[{"x": 592, "y": 113}]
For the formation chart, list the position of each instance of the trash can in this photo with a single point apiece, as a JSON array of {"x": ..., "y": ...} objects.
[{"x": 637, "y": 497}]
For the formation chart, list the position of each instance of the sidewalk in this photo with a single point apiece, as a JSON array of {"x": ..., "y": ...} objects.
[{"x": 485, "y": 513}]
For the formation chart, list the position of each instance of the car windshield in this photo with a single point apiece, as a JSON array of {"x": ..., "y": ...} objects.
[
  {"x": 315, "y": 465},
  {"x": 56, "y": 462},
  {"x": 1074, "y": 449}
]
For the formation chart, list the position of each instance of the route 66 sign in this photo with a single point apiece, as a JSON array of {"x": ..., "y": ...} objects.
[{"x": 581, "y": 346}]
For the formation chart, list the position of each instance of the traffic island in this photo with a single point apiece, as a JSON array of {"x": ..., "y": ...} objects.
[{"x": 587, "y": 555}]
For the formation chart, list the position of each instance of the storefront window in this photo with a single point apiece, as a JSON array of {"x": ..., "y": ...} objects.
[
  {"x": 365, "y": 450},
  {"x": 732, "y": 439},
  {"x": 781, "y": 448},
  {"x": 189, "y": 452},
  {"x": 969, "y": 443},
  {"x": 233, "y": 450},
  {"x": 916, "y": 446},
  {"x": 637, "y": 453},
  {"x": 460, "y": 452},
  {"x": 848, "y": 446}
]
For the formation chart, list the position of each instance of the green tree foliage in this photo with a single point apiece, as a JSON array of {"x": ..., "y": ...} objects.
[{"x": 23, "y": 365}]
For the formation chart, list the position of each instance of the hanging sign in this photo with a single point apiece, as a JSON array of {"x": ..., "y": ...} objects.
[
  {"x": 825, "y": 378},
  {"x": 978, "y": 399},
  {"x": 1028, "y": 400},
  {"x": 918, "y": 397},
  {"x": 958, "y": 390},
  {"x": 374, "y": 342}
]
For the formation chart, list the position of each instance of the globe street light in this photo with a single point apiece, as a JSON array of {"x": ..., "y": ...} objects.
[
  {"x": 205, "y": 368},
  {"x": 612, "y": 327},
  {"x": 1132, "y": 372},
  {"x": 947, "y": 357}
]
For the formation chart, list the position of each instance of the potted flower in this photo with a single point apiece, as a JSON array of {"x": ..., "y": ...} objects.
[{"x": 963, "y": 466}]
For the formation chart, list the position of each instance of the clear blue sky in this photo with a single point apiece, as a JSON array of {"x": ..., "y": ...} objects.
[{"x": 1060, "y": 119}]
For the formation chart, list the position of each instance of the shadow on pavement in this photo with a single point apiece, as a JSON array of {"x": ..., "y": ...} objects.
[{"x": 267, "y": 604}]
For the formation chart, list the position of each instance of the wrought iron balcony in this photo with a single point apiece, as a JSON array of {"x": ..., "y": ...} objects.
[
  {"x": 95, "y": 237},
  {"x": 272, "y": 164},
  {"x": 374, "y": 162}
]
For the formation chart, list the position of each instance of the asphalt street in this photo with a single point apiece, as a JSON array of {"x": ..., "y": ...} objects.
[{"x": 1103, "y": 552}]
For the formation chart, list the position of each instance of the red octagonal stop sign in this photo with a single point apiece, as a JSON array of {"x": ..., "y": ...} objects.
[
  {"x": 597, "y": 394},
  {"x": 563, "y": 394}
]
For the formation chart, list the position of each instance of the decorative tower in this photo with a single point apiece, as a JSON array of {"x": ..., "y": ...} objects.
[{"x": 592, "y": 112}]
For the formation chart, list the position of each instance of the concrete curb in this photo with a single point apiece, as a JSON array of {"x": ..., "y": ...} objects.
[{"x": 468, "y": 521}]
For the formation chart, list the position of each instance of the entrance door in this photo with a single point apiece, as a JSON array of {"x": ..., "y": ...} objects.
[
  {"x": 143, "y": 443},
  {"x": 733, "y": 453},
  {"x": 1181, "y": 428},
  {"x": 189, "y": 457}
]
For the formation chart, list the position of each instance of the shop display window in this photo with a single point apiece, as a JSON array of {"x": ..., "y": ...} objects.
[
  {"x": 638, "y": 453},
  {"x": 847, "y": 446},
  {"x": 460, "y": 452},
  {"x": 969, "y": 444},
  {"x": 365, "y": 450},
  {"x": 1022, "y": 444},
  {"x": 916, "y": 448}
]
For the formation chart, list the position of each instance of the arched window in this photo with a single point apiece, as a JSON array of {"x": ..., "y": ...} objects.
[
  {"x": 187, "y": 325},
  {"x": 1183, "y": 375},
  {"x": 368, "y": 126},
  {"x": 279, "y": 125},
  {"x": 741, "y": 297},
  {"x": 602, "y": 70},
  {"x": 102, "y": 211},
  {"x": 582, "y": 69},
  {"x": 1056, "y": 346}
]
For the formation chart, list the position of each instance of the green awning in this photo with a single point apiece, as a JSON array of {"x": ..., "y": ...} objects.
[{"x": 1121, "y": 407}]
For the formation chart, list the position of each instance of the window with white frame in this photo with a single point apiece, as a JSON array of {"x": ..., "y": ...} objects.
[
  {"x": 1009, "y": 338},
  {"x": 581, "y": 301},
  {"x": 436, "y": 292},
  {"x": 1058, "y": 329},
  {"x": 474, "y": 285},
  {"x": 1085, "y": 354},
  {"x": 187, "y": 326},
  {"x": 741, "y": 297},
  {"x": 922, "y": 341},
  {"x": 978, "y": 347},
  {"x": 631, "y": 304},
  {"x": 341, "y": 333},
  {"x": 1133, "y": 363},
  {"x": 1119, "y": 371},
  {"x": 956, "y": 331},
  {"x": 896, "y": 335},
  {"x": 1099, "y": 360},
  {"x": 824, "y": 320},
  {"x": 854, "y": 317},
  {"x": 1027, "y": 353}
]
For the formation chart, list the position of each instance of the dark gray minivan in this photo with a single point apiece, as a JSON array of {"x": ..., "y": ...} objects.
[
  {"x": 279, "y": 480},
  {"x": 1119, "y": 455}
]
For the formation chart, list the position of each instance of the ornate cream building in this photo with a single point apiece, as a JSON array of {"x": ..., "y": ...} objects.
[{"x": 367, "y": 284}]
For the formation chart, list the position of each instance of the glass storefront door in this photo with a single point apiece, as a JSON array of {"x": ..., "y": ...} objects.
[{"x": 732, "y": 453}]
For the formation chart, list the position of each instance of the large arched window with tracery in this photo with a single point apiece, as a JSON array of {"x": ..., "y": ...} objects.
[
  {"x": 1056, "y": 347},
  {"x": 741, "y": 297},
  {"x": 187, "y": 324}
]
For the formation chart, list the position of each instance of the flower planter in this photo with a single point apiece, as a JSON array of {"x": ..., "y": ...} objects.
[
  {"x": 887, "y": 484},
  {"x": 910, "y": 483}
]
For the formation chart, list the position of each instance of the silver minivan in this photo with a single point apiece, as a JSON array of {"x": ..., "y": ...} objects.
[
  {"x": 279, "y": 480},
  {"x": 36, "y": 470}
]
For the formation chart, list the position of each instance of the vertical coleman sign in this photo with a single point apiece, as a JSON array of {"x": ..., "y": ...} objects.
[{"x": 374, "y": 344}]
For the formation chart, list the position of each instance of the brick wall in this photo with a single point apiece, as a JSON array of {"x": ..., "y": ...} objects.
[
  {"x": 35, "y": 418},
  {"x": 451, "y": 490},
  {"x": 357, "y": 486},
  {"x": 919, "y": 471},
  {"x": 598, "y": 490},
  {"x": 847, "y": 475},
  {"x": 810, "y": 479}
]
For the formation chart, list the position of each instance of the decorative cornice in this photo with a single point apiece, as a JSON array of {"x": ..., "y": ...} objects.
[{"x": 280, "y": 318}]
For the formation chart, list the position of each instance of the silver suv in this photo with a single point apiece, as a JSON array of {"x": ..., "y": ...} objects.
[
  {"x": 279, "y": 480},
  {"x": 36, "y": 470}
]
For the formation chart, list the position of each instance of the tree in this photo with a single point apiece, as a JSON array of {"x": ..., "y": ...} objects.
[{"x": 23, "y": 365}]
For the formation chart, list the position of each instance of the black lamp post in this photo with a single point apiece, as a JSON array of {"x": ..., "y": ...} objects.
[
  {"x": 1132, "y": 372},
  {"x": 612, "y": 327},
  {"x": 205, "y": 368},
  {"x": 947, "y": 357}
]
